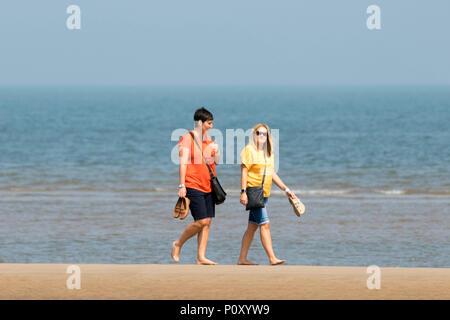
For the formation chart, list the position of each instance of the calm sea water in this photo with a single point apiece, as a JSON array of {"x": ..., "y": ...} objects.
[{"x": 86, "y": 174}]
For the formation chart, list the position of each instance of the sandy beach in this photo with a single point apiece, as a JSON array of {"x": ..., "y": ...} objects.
[{"x": 193, "y": 282}]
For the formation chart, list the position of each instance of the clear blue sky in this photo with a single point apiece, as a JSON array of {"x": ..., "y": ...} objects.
[{"x": 225, "y": 42}]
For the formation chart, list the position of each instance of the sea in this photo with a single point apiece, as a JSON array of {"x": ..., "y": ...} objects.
[{"x": 87, "y": 173}]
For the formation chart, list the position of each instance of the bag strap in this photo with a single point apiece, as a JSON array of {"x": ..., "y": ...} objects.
[
  {"x": 210, "y": 171},
  {"x": 265, "y": 164}
]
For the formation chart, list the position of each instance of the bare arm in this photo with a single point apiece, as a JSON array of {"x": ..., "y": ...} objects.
[
  {"x": 217, "y": 156},
  {"x": 184, "y": 156},
  {"x": 244, "y": 172},
  {"x": 277, "y": 180}
]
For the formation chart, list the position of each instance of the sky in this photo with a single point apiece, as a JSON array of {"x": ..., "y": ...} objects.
[{"x": 227, "y": 42}]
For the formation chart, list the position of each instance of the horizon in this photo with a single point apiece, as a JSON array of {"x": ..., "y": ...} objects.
[{"x": 248, "y": 85}]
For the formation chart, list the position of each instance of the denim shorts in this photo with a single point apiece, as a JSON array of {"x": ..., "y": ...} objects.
[{"x": 259, "y": 216}]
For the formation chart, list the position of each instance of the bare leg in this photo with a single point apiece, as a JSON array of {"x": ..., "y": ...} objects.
[
  {"x": 202, "y": 241},
  {"x": 190, "y": 231},
  {"x": 246, "y": 242},
  {"x": 266, "y": 241}
]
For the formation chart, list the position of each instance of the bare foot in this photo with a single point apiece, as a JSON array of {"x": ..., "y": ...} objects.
[
  {"x": 205, "y": 261},
  {"x": 276, "y": 262},
  {"x": 175, "y": 251},
  {"x": 246, "y": 263}
]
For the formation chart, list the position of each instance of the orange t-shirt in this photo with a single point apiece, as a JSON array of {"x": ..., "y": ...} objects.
[{"x": 197, "y": 173}]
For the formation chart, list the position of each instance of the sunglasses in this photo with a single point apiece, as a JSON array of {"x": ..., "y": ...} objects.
[{"x": 258, "y": 133}]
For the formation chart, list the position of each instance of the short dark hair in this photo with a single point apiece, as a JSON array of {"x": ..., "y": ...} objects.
[{"x": 203, "y": 115}]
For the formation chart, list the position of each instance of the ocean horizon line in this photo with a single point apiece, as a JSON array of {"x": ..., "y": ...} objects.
[
  {"x": 223, "y": 85},
  {"x": 10, "y": 191}
]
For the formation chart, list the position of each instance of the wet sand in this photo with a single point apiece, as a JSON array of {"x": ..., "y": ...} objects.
[{"x": 193, "y": 282}]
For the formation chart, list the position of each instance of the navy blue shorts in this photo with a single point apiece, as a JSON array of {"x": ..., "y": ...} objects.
[{"x": 201, "y": 204}]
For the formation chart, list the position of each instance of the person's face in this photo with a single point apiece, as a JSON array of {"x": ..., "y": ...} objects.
[
  {"x": 261, "y": 135},
  {"x": 207, "y": 125}
]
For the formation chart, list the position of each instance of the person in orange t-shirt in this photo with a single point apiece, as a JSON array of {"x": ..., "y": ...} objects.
[{"x": 195, "y": 183}]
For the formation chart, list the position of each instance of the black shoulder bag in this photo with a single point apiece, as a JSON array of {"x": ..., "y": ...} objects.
[
  {"x": 219, "y": 194},
  {"x": 255, "y": 195}
]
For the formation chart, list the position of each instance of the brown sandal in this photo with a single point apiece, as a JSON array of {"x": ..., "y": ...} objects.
[
  {"x": 298, "y": 206},
  {"x": 184, "y": 209},
  {"x": 181, "y": 208},
  {"x": 177, "y": 210}
]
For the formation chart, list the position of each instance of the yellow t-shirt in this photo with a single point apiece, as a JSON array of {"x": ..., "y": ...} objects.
[{"x": 254, "y": 161}]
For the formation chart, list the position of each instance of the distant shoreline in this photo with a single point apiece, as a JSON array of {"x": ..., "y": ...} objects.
[{"x": 223, "y": 282}]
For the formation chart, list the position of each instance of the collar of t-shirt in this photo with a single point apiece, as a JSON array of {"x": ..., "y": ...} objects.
[{"x": 205, "y": 136}]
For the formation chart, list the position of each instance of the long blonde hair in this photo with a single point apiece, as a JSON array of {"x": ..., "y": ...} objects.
[{"x": 268, "y": 146}]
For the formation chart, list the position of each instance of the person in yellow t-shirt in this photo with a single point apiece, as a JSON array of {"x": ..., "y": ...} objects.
[{"x": 256, "y": 156}]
